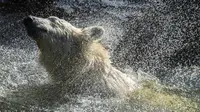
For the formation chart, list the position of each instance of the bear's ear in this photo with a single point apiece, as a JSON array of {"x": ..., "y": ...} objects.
[{"x": 95, "y": 32}]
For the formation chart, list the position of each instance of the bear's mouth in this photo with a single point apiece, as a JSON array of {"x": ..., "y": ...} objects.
[{"x": 32, "y": 30}]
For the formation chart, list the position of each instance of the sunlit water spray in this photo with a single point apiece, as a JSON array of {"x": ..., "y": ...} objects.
[{"x": 19, "y": 70}]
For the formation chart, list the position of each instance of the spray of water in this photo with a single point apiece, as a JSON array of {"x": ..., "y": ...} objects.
[{"x": 164, "y": 89}]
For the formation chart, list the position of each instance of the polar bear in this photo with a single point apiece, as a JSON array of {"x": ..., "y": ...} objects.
[{"x": 75, "y": 58}]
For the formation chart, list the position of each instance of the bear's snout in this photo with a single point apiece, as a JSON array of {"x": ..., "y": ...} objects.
[
  {"x": 31, "y": 26},
  {"x": 28, "y": 20}
]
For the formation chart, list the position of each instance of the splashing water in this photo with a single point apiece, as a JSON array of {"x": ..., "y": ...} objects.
[{"x": 167, "y": 89}]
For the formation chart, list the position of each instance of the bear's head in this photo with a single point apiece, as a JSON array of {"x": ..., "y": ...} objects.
[
  {"x": 57, "y": 38},
  {"x": 53, "y": 32}
]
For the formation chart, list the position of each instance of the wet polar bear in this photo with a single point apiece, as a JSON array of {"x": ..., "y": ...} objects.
[{"x": 75, "y": 58}]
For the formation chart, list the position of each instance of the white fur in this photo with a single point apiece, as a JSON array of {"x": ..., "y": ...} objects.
[{"x": 73, "y": 57}]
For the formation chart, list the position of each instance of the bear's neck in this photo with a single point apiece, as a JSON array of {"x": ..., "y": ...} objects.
[{"x": 96, "y": 56}]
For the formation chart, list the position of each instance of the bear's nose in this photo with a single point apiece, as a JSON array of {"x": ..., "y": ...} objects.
[{"x": 28, "y": 20}]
